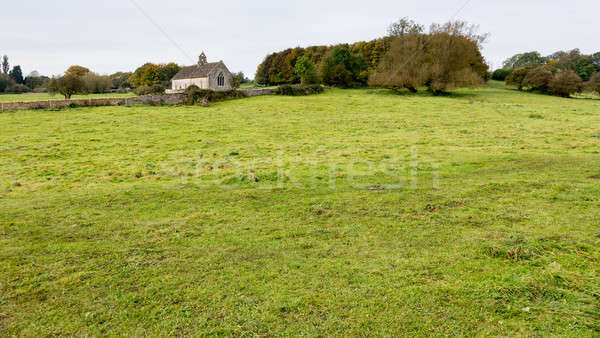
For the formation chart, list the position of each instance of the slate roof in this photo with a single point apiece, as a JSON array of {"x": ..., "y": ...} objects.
[{"x": 196, "y": 71}]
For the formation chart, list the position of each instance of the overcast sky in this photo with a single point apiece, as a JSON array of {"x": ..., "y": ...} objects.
[{"x": 114, "y": 35}]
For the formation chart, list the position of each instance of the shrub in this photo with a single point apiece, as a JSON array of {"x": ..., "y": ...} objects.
[
  {"x": 196, "y": 95},
  {"x": 566, "y": 83},
  {"x": 538, "y": 79},
  {"x": 501, "y": 74},
  {"x": 299, "y": 90},
  {"x": 516, "y": 78},
  {"x": 149, "y": 90},
  {"x": 594, "y": 83},
  {"x": 17, "y": 88}
]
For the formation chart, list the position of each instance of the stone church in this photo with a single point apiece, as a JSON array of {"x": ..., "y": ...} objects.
[{"x": 205, "y": 75}]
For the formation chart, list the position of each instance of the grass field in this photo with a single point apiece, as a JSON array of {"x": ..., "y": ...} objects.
[
  {"x": 45, "y": 96},
  {"x": 354, "y": 212}
]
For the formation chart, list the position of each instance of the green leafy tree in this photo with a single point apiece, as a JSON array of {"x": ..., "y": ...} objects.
[
  {"x": 305, "y": 68},
  {"x": 525, "y": 60},
  {"x": 17, "y": 75},
  {"x": 67, "y": 86},
  {"x": 342, "y": 68},
  {"x": 501, "y": 74}
]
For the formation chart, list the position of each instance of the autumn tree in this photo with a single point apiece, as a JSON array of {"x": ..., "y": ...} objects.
[
  {"x": 77, "y": 71},
  {"x": 404, "y": 26},
  {"x": 538, "y": 79},
  {"x": 446, "y": 58},
  {"x": 565, "y": 84},
  {"x": 517, "y": 77}
]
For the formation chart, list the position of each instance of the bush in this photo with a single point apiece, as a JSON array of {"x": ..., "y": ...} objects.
[
  {"x": 538, "y": 79},
  {"x": 17, "y": 88},
  {"x": 516, "y": 78},
  {"x": 501, "y": 74},
  {"x": 299, "y": 90},
  {"x": 594, "y": 83},
  {"x": 149, "y": 90},
  {"x": 565, "y": 84},
  {"x": 196, "y": 95},
  {"x": 96, "y": 84}
]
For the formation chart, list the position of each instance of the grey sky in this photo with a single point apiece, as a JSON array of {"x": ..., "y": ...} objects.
[{"x": 112, "y": 35}]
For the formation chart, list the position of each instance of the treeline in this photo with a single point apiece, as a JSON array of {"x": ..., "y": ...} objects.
[
  {"x": 445, "y": 57},
  {"x": 12, "y": 79},
  {"x": 562, "y": 73},
  {"x": 360, "y": 59}
]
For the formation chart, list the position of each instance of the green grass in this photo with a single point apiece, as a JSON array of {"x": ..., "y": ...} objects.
[
  {"x": 354, "y": 212},
  {"x": 46, "y": 96}
]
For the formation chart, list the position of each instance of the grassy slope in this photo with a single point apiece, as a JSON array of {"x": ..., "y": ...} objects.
[
  {"x": 45, "y": 96},
  {"x": 110, "y": 220}
]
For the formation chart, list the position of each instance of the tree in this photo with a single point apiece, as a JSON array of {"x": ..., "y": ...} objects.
[
  {"x": 446, "y": 58},
  {"x": 403, "y": 27},
  {"x": 168, "y": 71},
  {"x": 67, "y": 86},
  {"x": 566, "y": 83},
  {"x": 5, "y": 81},
  {"x": 77, "y": 71},
  {"x": 342, "y": 68},
  {"x": 306, "y": 70},
  {"x": 594, "y": 83},
  {"x": 96, "y": 84},
  {"x": 17, "y": 74},
  {"x": 5, "y": 65},
  {"x": 538, "y": 79},
  {"x": 516, "y": 77},
  {"x": 501, "y": 74},
  {"x": 525, "y": 60}
]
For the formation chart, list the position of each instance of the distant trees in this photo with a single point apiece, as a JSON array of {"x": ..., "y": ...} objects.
[
  {"x": 583, "y": 65},
  {"x": 525, "y": 60},
  {"x": 5, "y": 65},
  {"x": 96, "y": 84},
  {"x": 594, "y": 83},
  {"x": 281, "y": 68},
  {"x": 501, "y": 74},
  {"x": 5, "y": 81},
  {"x": 151, "y": 74},
  {"x": 342, "y": 68},
  {"x": 239, "y": 78},
  {"x": 405, "y": 26},
  {"x": 17, "y": 75},
  {"x": 547, "y": 79},
  {"x": 446, "y": 58},
  {"x": 67, "y": 85}
]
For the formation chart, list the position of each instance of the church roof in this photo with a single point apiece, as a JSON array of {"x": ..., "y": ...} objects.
[{"x": 196, "y": 71}]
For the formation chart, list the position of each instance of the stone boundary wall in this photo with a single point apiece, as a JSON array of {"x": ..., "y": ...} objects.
[{"x": 172, "y": 99}]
